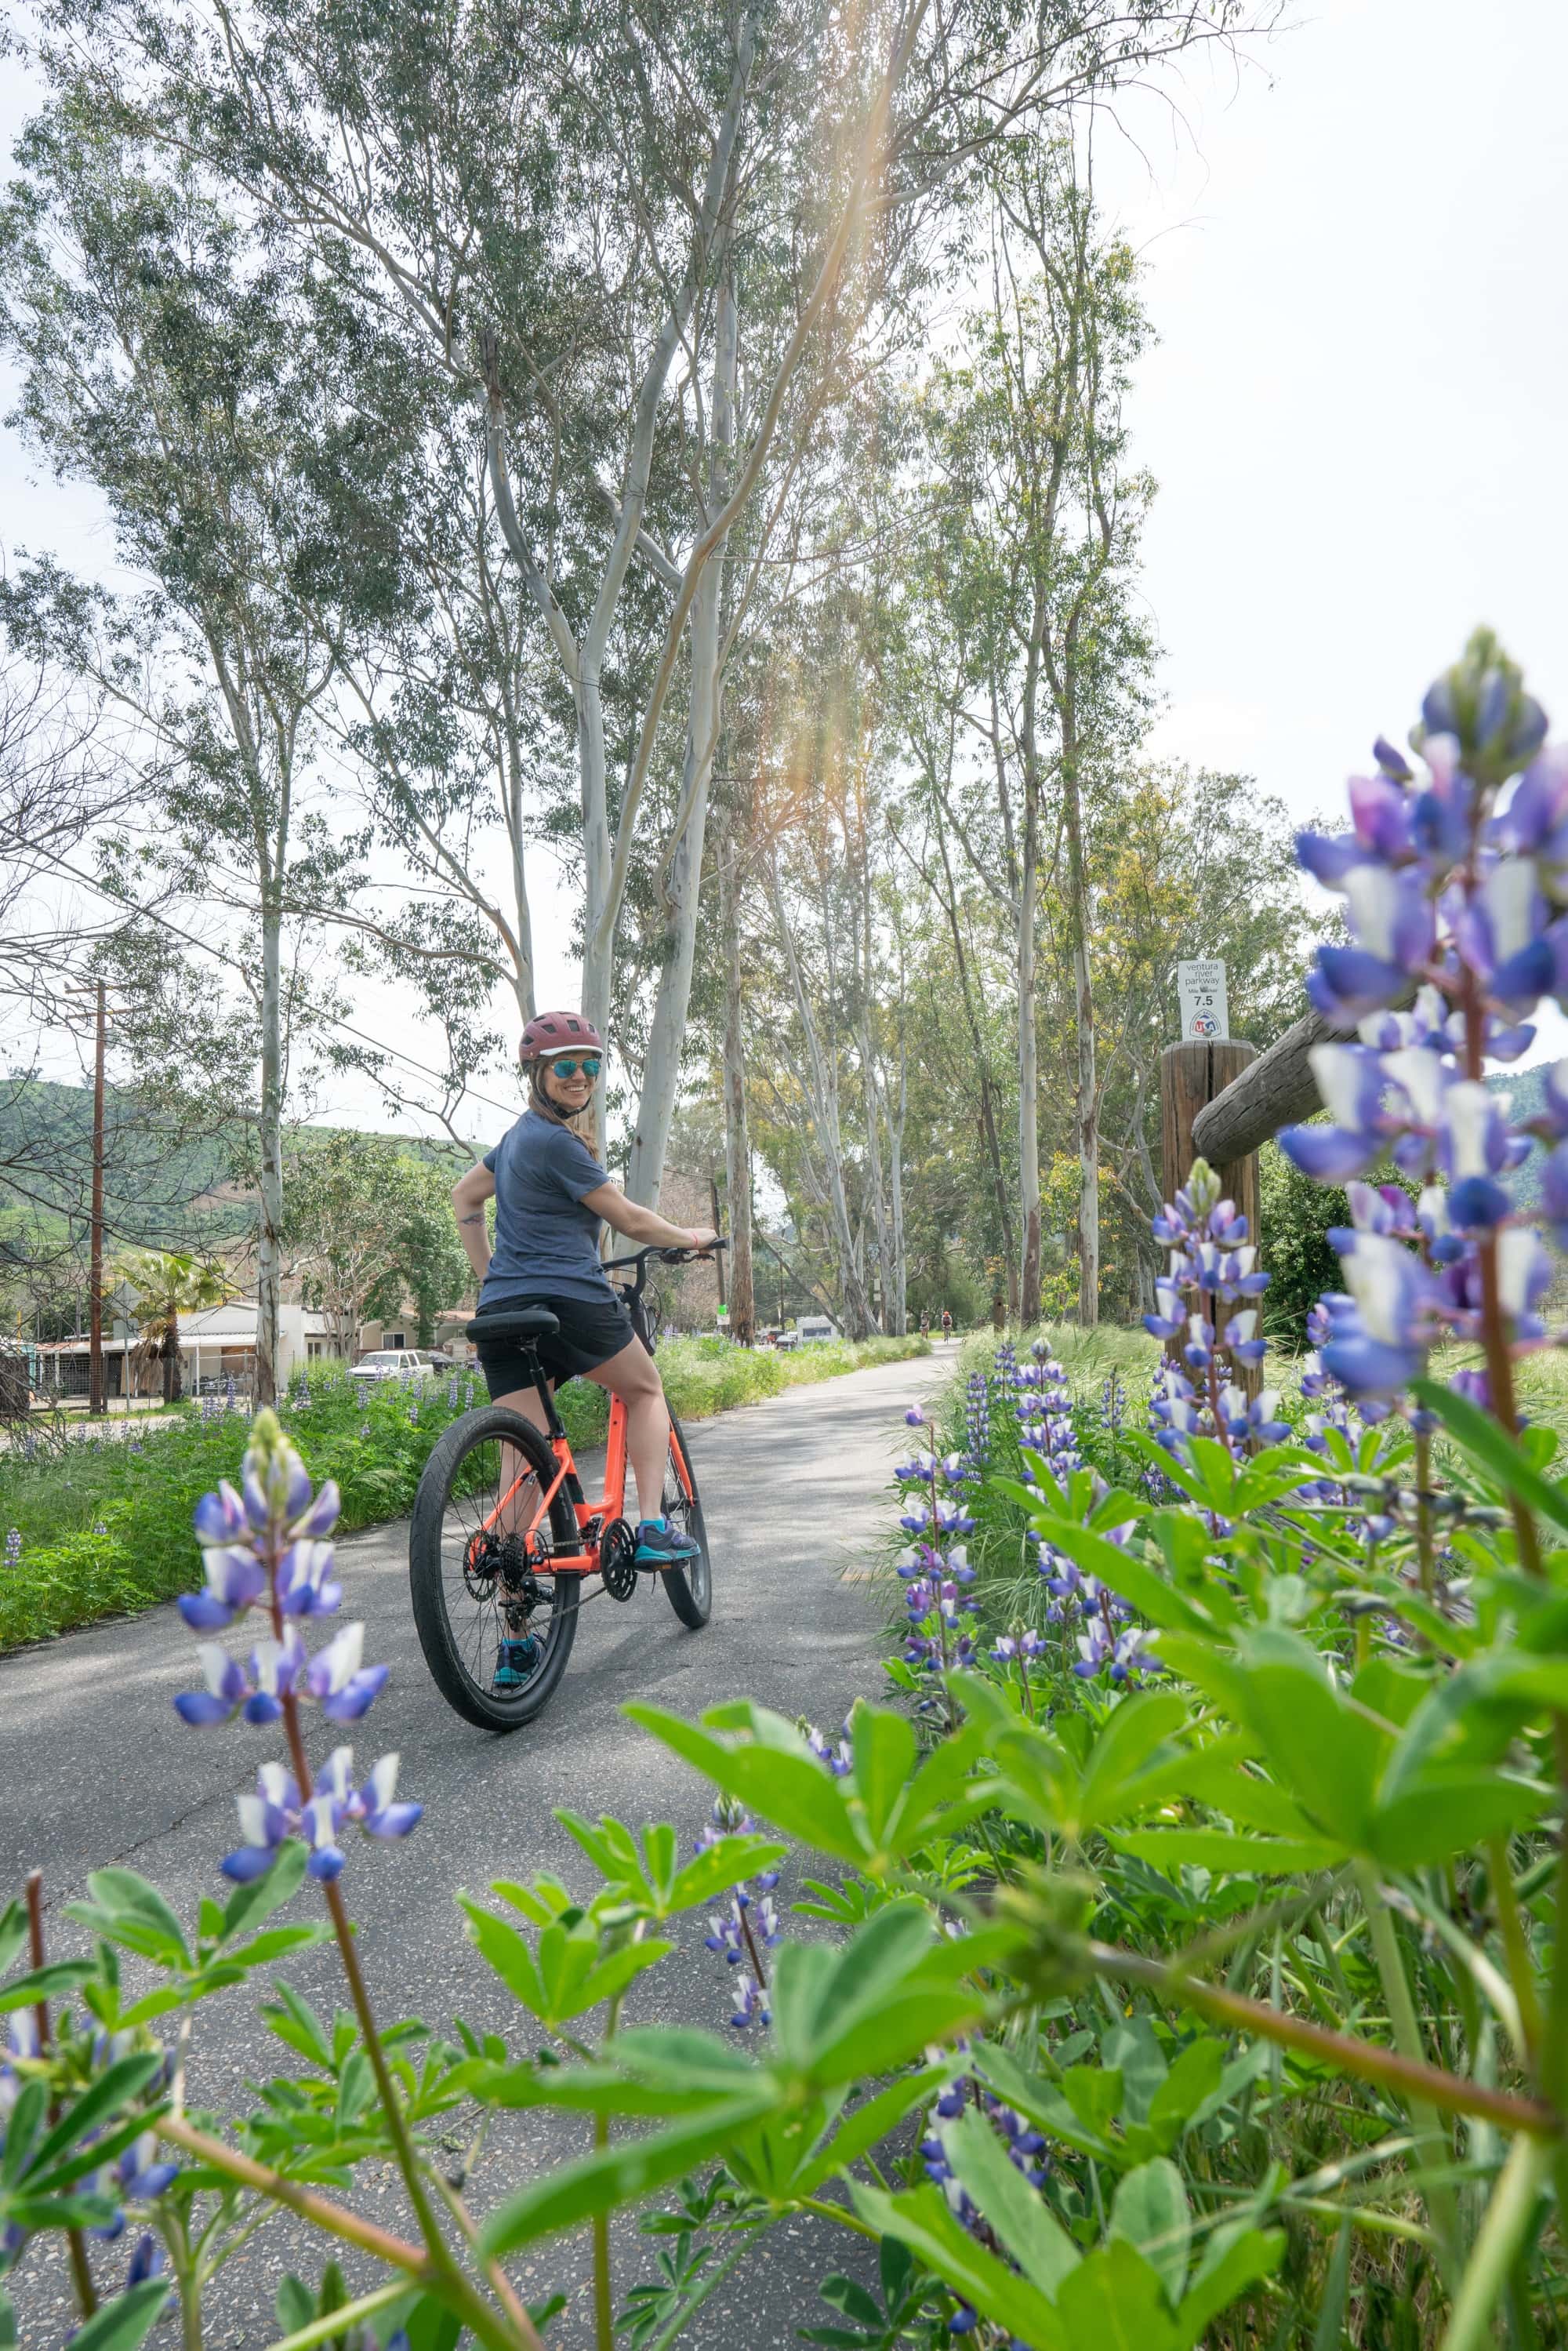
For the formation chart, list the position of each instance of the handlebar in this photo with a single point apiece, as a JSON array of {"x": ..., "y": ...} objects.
[{"x": 664, "y": 1256}]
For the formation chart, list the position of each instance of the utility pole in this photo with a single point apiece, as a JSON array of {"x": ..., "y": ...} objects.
[{"x": 97, "y": 1401}]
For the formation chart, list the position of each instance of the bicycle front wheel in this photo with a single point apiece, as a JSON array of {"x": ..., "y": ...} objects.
[
  {"x": 690, "y": 1587},
  {"x": 495, "y": 1626}
]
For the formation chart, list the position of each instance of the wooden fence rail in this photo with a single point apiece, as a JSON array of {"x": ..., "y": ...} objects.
[{"x": 1275, "y": 1089}]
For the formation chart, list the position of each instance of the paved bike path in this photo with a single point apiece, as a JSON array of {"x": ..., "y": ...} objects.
[{"x": 94, "y": 1766}]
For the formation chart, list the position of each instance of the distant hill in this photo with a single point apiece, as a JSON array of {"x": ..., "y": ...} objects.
[
  {"x": 163, "y": 1188},
  {"x": 157, "y": 1183},
  {"x": 1526, "y": 1089}
]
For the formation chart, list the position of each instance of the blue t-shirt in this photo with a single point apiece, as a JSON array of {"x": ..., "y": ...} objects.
[{"x": 546, "y": 1242}]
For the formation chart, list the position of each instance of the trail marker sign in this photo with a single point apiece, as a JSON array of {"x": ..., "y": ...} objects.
[{"x": 1205, "y": 1015}]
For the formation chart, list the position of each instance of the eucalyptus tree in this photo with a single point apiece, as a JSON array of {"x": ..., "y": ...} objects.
[
  {"x": 161, "y": 360},
  {"x": 1036, "y": 537},
  {"x": 1181, "y": 863},
  {"x": 548, "y": 202}
]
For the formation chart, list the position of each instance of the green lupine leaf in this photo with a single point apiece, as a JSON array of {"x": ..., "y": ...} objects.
[
  {"x": 883, "y": 1749},
  {"x": 139, "y": 1915},
  {"x": 45, "y": 1983},
  {"x": 1114, "y": 2301},
  {"x": 509, "y": 1953},
  {"x": 1167, "y": 1850},
  {"x": 123, "y": 2324},
  {"x": 921, "y": 2220},
  {"x": 1138, "y": 1728},
  {"x": 716, "y": 1868},
  {"x": 1017, "y": 2215},
  {"x": 22, "y": 2128},
  {"x": 1128, "y": 1576},
  {"x": 868, "y": 2125},
  {"x": 1478, "y": 1435},
  {"x": 14, "y": 1932},
  {"x": 614, "y": 2176},
  {"x": 247, "y": 1905},
  {"x": 1450, "y": 1811},
  {"x": 1044, "y": 2105},
  {"x": 609, "y": 1979},
  {"x": 790, "y": 1789},
  {"x": 1191, "y": 2081},
  {"x": 1233, "y": 2262},
  {"x": 1151, "y": 2212},
  {"x": 112, "y": 2089}
]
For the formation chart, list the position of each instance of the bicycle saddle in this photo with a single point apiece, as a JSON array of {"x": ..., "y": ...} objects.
[{"x": 514, "y": 1322}]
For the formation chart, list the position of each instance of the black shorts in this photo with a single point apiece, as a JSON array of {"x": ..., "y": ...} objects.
[{"x": 591, "y": 1331}]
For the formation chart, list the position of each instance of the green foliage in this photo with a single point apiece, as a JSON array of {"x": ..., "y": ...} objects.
[
  {"x": 106, "y": 1522},
  {"x": 1132, "y": 1964}
]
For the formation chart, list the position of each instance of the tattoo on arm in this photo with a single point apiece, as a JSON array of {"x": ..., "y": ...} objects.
[{"x": 476, "y": 1218}]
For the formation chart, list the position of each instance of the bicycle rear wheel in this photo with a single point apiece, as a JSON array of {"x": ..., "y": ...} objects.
[
  {"x": 472, "y": 1587},
  {"x": 690, "y": 1587}
]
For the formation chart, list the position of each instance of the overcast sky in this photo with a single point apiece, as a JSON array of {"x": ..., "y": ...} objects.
[{"x": 1355, "y": 411}]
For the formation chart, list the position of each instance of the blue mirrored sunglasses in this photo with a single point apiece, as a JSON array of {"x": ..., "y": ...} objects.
[{"x": 566, "y": 1066}]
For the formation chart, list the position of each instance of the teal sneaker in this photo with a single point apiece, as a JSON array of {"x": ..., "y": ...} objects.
[
  {"x": 515, "y": 1663},
  {"x": 658, "y": 1544}
]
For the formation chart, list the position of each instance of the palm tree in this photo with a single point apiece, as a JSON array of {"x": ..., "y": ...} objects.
[{"x": 168, "y": 1284}]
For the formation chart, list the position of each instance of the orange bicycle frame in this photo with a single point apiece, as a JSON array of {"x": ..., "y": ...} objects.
[{"x": 610, "y": 1505}]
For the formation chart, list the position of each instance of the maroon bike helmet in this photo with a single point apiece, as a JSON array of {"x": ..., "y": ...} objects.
[{"x": 558, "y": 1032}]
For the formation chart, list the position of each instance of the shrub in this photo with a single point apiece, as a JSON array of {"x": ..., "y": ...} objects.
[{"x": 371, "y": 1441}]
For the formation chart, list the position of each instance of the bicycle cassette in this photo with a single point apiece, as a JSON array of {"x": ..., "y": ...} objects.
[{"x": 618, "y": 1559}]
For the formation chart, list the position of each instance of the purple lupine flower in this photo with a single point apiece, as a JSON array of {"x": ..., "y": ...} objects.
[
  {"x": 226, "y": 1688},
  {"x": 275, "y": 1811},
  {"x": 146, "y": 2262},
  {"x": 276, "y": 1669},
  {"x": 1489, "y": 870},
  {"x": 13, "y": 1548},
  {"x": 1212, "y": 1267},
  {"x": 265, "y": 1819},
  {"x": 750, "y": 2006},
  {"x": 373, "y": 1807},
  {"x": 336, "y": 1677},
  {"x": 140, "y": 2174},
  {"x": 264, "y": 1546},
  {"x": 839, "y": 1759}
]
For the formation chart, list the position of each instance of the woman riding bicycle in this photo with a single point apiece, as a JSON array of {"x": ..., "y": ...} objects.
[{"x": 551, "y": 1196}]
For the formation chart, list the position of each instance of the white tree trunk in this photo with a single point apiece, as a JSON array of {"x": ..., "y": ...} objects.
[
  {"x": 1087, "y": 1105},
  {"x": 899, "y": 1269},
  {"x": 270, "y": 1243},
  {"x": 672, "y": 1001},
  {"x": 824, "y": 1104},
  {"x": 737, "y": 1121},
  {"x": 1028, "y": 1089}
]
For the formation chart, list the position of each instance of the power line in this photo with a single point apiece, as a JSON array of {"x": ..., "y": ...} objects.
[{"x": 233, "y": 964}]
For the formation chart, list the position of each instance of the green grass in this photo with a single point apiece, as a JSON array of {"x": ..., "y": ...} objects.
[
  {"x": 1007, "y": 1577},
  {"x": 104, "y": 1523}
]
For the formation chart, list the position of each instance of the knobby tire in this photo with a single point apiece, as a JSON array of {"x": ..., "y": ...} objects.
[{"x": 453, "y": 1629}]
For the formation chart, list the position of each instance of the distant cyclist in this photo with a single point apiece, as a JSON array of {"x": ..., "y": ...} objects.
[
  {"x": 551, "y": 1196},
  {"x": 946, "y": 1324},
  {"x": 926, "y": 1321}
]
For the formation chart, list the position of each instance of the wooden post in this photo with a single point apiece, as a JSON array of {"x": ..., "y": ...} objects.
[{"x": 1191, "y": 1076}]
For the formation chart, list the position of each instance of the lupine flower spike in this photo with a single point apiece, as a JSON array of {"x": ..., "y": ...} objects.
[
  {"x": 265, "y": 1547},
  {"x": 1455, "y": 877}
]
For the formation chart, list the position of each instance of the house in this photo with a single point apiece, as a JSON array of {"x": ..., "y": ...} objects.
[{"x": 216, "y": 1345}]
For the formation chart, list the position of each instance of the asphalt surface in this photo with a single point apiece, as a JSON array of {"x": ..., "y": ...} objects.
[{"x": 96, "y": 1768}]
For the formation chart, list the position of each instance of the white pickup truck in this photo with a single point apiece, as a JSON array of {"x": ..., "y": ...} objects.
[{"x": 400, "y": 1363}]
